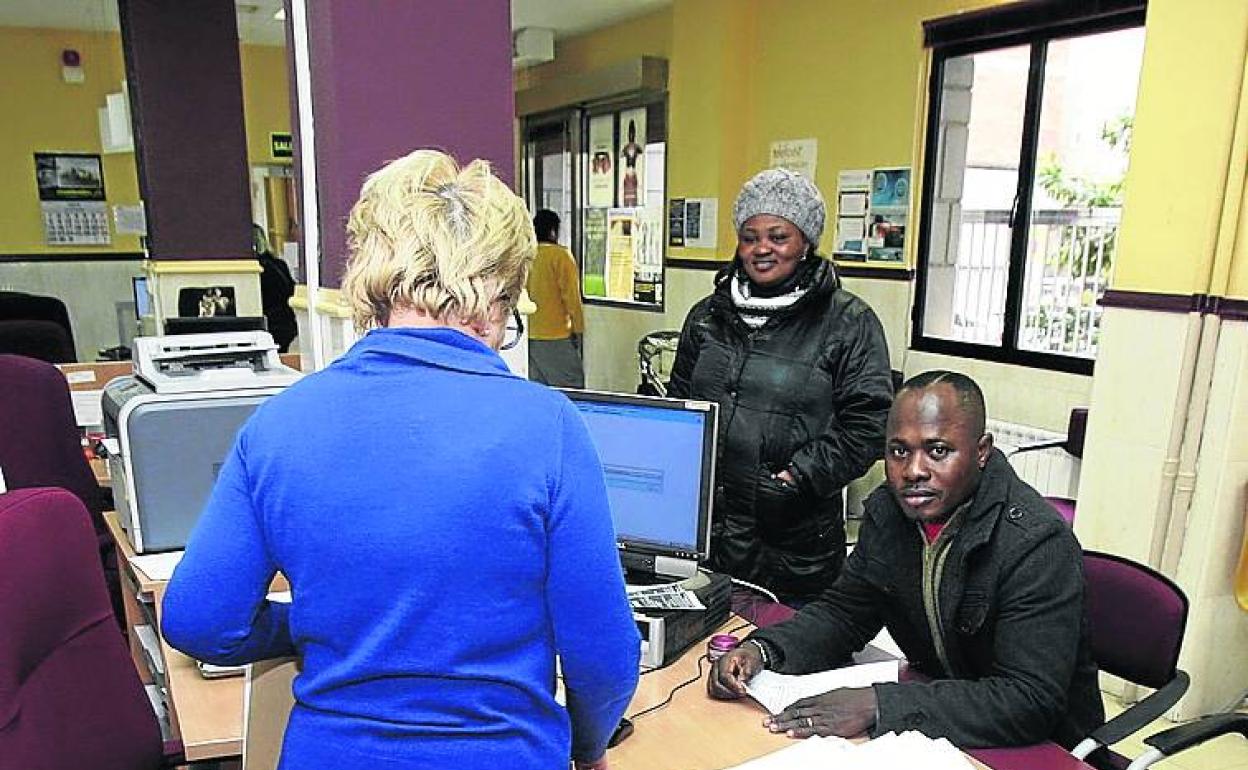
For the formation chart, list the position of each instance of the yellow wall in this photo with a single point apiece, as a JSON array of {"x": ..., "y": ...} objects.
[
  {"x": 43, "y": 113},
  {"x": 745, "y": 73},
  {"x": 648, "y": 35},
  {"x": 1184, "y": 120},
  {"x": 266, "y": 99}
]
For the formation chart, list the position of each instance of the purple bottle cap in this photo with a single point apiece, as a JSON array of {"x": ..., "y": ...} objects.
[{"x": 720, "y": 644}]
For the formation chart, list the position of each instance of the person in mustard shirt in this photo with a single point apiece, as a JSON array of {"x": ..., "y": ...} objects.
[{"x": 556, "y": 329}]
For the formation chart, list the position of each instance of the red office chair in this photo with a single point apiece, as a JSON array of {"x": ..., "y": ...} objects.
[
  {"x": 1076, "y": 433},
  {"x": 70, "y": 697},
  {"x": 40, "y": 447},
  {"x": 1137, "y": 618}
]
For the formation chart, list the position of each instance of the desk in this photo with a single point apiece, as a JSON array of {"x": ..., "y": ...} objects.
[
  {"x": 205, "y": 714},
  {"x": 695, "y": 732}
]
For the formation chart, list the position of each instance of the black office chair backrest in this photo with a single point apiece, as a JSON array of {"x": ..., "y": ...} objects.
[
  {"x": 44, "y": 340},
  {"x": 19, "y": 306}
]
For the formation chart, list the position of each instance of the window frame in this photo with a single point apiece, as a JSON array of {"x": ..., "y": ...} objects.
[{"x": 1037, "y": 39}]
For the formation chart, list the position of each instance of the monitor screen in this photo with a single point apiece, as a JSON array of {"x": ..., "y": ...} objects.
[
  {"x": 142, "y": 300},
  {"x": 658, "y": 456},
  {"x": 215, "y": 324}
]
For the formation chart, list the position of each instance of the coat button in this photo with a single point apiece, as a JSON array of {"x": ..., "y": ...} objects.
[{"x": 1014, "y": 513}]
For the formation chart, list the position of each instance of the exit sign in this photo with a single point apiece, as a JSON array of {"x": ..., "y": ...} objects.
[{"x": 282, "y": 144}]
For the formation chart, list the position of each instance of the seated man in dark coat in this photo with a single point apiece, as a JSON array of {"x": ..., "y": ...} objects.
[{"x": 974, "y": 575}]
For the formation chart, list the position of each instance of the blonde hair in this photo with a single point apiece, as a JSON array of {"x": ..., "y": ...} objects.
[{"x": 445, "y": 241}]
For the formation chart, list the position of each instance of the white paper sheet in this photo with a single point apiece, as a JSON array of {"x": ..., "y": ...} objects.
[
  {"x": 88, "y": 407},
  {"x": 907, "y": 750},
  {"x": 158, "y": 566},
  {"x": 775, "y": 692}
]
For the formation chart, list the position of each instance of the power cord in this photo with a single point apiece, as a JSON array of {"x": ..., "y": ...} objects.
[
  {"x": 747, "y": 584},
  {"x": 677, "y": 688}
]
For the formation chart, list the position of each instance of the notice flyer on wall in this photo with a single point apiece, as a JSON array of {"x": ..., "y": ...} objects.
[
  {"x": 632, "y": 157},
  {"x": 676, "y": 222},
  {"x": 853, "y": 195},
  {"x": 594, "y": 258},
  {"x": 701, "y": 216},
  {"x": 800, "y": 155},
  {"x": 602, "y": 161},
  {"x": 889, "y": 211},
  {"x": 621, "y": 230},
  {"x": 648, "y": 256}
]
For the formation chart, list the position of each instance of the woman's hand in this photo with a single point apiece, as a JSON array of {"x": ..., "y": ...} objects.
[
  {"x": 845, "y": 712},
  {"x": 786, "y": 477},
  {"x": 732, "y": 671}
]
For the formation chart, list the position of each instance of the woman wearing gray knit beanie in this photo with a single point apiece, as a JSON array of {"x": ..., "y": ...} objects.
[{"x": 800, "y": 369}]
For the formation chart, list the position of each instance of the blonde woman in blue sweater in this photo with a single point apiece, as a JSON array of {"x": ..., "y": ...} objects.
[{"x": 443, "y": 523}]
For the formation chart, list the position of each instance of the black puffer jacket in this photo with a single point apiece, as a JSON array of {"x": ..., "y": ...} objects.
[
  {"x": 808, "y": 391},
  {"x": 1017, "y": 666}
]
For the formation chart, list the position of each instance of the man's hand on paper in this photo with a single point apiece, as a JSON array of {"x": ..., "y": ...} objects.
[
  {"x": 732, "y": 671},
  {"x": 845, "y": 712}
]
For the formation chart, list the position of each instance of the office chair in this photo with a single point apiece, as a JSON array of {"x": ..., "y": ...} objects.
[
  {"x": 40, "y": 447},
  {"x": 19, "y": 306},
  {"x": 1076, "y": 433},
  {"x": 70, "y": 696},
  {"x": 44, "y": 340},
  {"x": 1137, "y": 618}
]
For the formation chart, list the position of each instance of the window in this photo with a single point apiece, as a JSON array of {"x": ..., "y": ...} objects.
[
  {"x": 1028, "y": 135},
  {"x": 603, "y": 170}
]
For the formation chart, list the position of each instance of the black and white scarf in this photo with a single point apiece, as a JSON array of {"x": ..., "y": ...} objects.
[{"x": 756, "y": 307}]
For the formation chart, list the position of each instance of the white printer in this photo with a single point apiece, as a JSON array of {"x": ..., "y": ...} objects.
[{"x": 170, "y": 426}]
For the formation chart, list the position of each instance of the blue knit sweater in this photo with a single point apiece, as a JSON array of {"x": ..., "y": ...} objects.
[{"x": 445, "y": 530}]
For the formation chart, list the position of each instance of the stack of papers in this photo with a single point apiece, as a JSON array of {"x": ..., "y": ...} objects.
[
  {"x": 909, "y": 749},
  {"x": 775, "y": 692},
  {"x": 667, "y": 596}
]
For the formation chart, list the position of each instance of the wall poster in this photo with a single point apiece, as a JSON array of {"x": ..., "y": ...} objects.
[
  {"x": 71, "y": 199},
  {"x": 632, "y": 157},
  {"x": 890, "y": 209},
  {"x": 602, "y": 161}
]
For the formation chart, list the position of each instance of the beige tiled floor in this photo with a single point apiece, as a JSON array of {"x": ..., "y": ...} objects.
[{"x": 1230, "y": 752}]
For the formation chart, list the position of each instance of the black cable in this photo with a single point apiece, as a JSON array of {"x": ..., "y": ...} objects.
[
  {"x": 675, "y": 689},
  {"x": 741, "y": 627}
]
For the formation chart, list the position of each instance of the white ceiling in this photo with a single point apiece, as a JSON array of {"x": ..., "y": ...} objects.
[{"x": 257, "y": 25}]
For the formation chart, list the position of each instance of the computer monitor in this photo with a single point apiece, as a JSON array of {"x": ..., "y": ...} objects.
[
  {"x": 214, "y": 324},
  {"x": 658, "y": 455},
  {"x": 142, "y": 299}
]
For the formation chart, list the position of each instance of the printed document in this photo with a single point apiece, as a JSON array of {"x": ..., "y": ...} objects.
[
  {"x": 891, "y": 750},
  {"x": 775, "y": 692}
]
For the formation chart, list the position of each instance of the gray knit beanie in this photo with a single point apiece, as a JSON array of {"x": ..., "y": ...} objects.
[{"x": 782, "y": 193}]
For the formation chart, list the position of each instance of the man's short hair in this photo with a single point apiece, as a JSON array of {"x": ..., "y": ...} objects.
[
  {"x": 546, "y": 225},
  {"x": 970, "y": 397}
]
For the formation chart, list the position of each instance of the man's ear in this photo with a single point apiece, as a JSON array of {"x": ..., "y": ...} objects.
[{"x": 983, "y": 449}]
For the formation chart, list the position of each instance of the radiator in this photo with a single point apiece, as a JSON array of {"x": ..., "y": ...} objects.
[{"x": 1053, "y": 472}]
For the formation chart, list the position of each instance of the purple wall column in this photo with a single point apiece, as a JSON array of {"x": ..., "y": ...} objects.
[
  {"x": 186, "y": 99},
  {"x": 388, "y": 78}
]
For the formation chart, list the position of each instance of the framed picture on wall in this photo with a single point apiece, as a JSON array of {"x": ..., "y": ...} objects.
[{"x": 69, "y": 176}]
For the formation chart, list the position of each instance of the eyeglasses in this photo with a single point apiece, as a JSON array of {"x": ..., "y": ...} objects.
[{"x": 514, "y": 331}]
